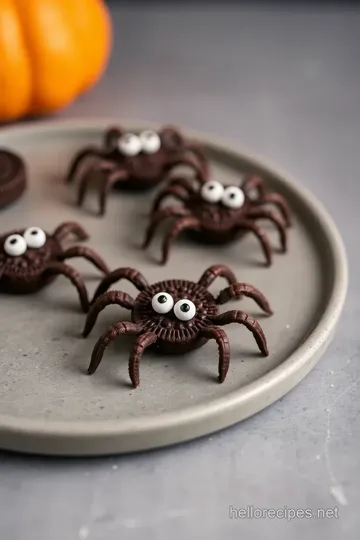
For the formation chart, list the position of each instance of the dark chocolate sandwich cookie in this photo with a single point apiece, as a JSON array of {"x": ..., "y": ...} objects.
[{"x": 13, "y": 177}]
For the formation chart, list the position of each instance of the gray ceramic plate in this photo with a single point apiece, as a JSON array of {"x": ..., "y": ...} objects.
[{"x": 48, "y": 403}]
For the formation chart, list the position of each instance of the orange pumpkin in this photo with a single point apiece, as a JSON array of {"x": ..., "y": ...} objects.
[{"x": 50, "y": 52}]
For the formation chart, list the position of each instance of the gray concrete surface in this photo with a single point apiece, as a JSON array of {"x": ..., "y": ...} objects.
[{"x": 285, "y": 83}]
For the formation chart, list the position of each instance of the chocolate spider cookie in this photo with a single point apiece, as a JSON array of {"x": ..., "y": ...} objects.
[
  {"x": 139, "y": 161},
  {"x": 218, "y": 214},
  {"x": 174, "y": 316},
  {"x": 13, "y": 177},
  {"x": 30, "y": 259}
]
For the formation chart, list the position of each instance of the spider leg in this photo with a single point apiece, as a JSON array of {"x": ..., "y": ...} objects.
[
  {"x": 215, "y": 271},
  {"x": 237, "y": 290},
  {"x": 85, "y": 153},
  {"x": 141, "y": 343},
  {"x": 158, "y": 217},
  {"x": 176, "y": 183},
  {"x": 184, "y": 182},
  {"x": 112, "y": 136},
  {"x": 107, "y": 184},
  {"x": 278, "y": 222},
  {"x": 281, "y": 204},
  {"x": 179, "y": 187},
  {"x": 189, "y": 161},
  {"x": 256, "y": 182},
  {"x": 224, "y": 349},
  {"x": 106, "y": 338},
  {"x": 253, "y": 181},
  {"x": 262, "y": 237},
  {"x": 63, "y": 269},
  {"x": 66, "y": 229},
  {"x": 171, "y": 191},
  {"x": 130, "y": 274},
  {"x": 183, "y": 223},
  {"x": 84, "y": 186},
  {"x": 250, "y": 323},
  {"x": 113, "y": 297},
  {"x": 86, "y": 253},
  {"x": 196, "y": 149},
  {"x": 106, "y": 177}
]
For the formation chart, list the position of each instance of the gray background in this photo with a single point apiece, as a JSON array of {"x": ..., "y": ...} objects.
[{"x": 285, "y": 83}]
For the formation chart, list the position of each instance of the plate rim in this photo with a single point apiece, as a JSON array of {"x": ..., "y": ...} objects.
[{"x": 190, "y": 419}]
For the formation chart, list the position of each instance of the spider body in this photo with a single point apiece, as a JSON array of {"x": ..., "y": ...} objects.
[
  {"x": 174, "y": 316},
  {"x": 31, "y": 259},
  {"x": 174, "y": 335},
  {"x": 218, "y": 214},
  {"x": 217, "y": 221},
  {"x": 135, "y": 161}
]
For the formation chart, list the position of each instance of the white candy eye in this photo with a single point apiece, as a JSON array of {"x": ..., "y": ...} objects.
[
  {"x": 162, "y": 302},
  {"x": 150, "y": 141},
  {"x": 34, "y": 237},
  {"x": 15, "y": 245},
  {"x": 212, "y": 191},
  {"x": 233, "y": 197},
  {"x": 184, "y": 310},
  {"x": 130, "y": 144}
]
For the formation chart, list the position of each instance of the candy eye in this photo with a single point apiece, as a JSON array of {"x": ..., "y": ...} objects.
[
  {"x": 130, "y": 144},
  {"x": 150, "y": 141},
  {"x": 34, "y": 237},
  {"x": 162, "y": 302},
  {"x": 212, "y": 191},
  {"x": 233, "y": 197},
  {"x": 184, "y": 310},
  {"x": 15, "y": 245}
]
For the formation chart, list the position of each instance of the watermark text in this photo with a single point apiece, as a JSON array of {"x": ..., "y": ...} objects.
[{"x": 251, "y": 512}]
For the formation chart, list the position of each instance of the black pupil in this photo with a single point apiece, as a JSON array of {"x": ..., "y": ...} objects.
[
  {"x": 211, "y": 187},
  {"x": 13, "y": 241},
  {"x": 162, "y": 299},
  {"x": 34, "y": 232},
  {"x": 232, "y": 195},
  {"x": 185, "y": 307}
]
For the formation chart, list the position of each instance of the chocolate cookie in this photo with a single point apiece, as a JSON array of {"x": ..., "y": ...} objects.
[{"x": 13, "y": 177}]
